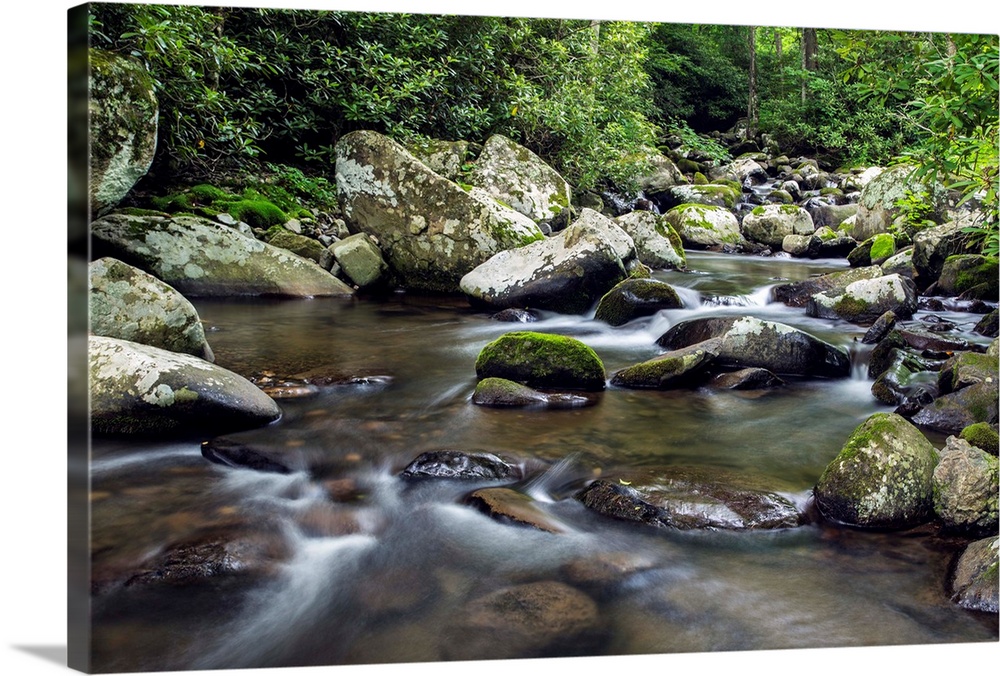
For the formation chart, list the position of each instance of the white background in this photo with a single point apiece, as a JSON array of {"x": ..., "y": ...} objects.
[{"x": 33, "y": 368}]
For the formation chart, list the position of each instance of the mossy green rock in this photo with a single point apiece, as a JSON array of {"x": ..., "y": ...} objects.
[
  {"x": 712, "y": 194},
  {"x": 883, "y": 247},
  {"x": 431, "y": 231},
  {"x": 502, "y": 393},
  {"x": 953, "y": 412},
  {"x": 201, "y": 258},
  {"x": 882, "y": 478},
  {"x": 634, "y": 298},
  {"x": 933, "y": 246},
  {"x": 866, "y": 300},
  {"x": 966, "y": 488},
  {"x": 963, "y": 274},
  {"x": 703, "y": 226},
  {"x": 129, "y": 304},
  {"x": 300, "y": 245},
  {"x": 678, "y": 368},
  {"x": 542, "y": 360},
  {"x": 123, "y": 115},
  {"x": 983, "y": 436},
  {"x": 900, "y": 264},
  {"x": 798, "y": 294},
  {"x": 139, "y": 389},
  {"x": 877, "y": 205},
  {"x": 975, "y": 584},
  {"x": 769, "y": 224},
  {"x": 657, "y": 243},
  {"x": 968, "y": 368}
]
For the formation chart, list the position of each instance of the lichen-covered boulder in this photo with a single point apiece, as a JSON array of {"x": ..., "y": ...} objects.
[
  {"x": 864, "y": 301},
  {"x": 688, "y": 498},
  {"x": 970, "y": 275},
  {"x": 129, "y": 304},
  {"x": 933, "y": 246},
  {"x": 882, "y": 478},
  {"x": 503, "y": 393},
  {"x": 751, "y": 342},
  {"x": 664, "y": 175},
  {"x": 565, "y": 273},
  {"x": 445, "y": 158},
  {"x": 967, "y": 368},
  {"x": 966, "y": 488},
  {"x": 430, "y": 229},
  {"x": 360, "y": 259},
  {"x": 516, "y": 176},
  {"x": 975, "y": 584},
  {"x": 798, "y": 294},
  {"x": 657, "y": 244},
  {"x": 678, "y": 368},
  {"x": 138, "y": 389},
  {"x": 709, "y": 194},
  {"x": 201, "y": 258},
  {"x": 878, "y": 204},
  {"x": 542, "y": 360},
  {"x": 123, "y": 114},
  {"x": 769, "y": 224},
  {"x": 635, "y": 298},
  {"x": 704, "y": 226}
]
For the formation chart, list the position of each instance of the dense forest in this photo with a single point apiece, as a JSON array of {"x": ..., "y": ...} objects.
[{"x": 243, "y": 87}]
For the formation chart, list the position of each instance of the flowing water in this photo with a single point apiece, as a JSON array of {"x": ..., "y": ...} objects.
[{"x": 383, "y": 572}]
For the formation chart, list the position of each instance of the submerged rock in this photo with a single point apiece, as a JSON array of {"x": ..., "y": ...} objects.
[
  {"x": 509, "y": 506},
  {"x": 747, "y": 379},
  {"x": 461, "y": 465},
  {"x": 542, "y": 360},
  {"x": 965, "y": 488},
  {"x": 501, "y": 393},
  {"x": 882, "y": 478},
  {"x": 635, "y": 298},
  {"x": 515, "y": 315},
  {"x": 975, "y": 583},
  {"x": 138, "y": 389}
]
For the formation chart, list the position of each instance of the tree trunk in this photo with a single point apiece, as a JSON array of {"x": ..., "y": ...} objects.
[
  {"x": 810, "y": 50},
  {"x": 752, "y": 104}
]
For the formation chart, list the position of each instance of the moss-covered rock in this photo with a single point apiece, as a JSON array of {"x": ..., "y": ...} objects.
[
  {"x": 711, "y": 194},
  {"x": 678, "y": 368},
  {"x": 360, "y": 259},
  {"x": 634, "y": 298},
  {"x": 975, "y": 584},
  {"x": 123, "y": 115},
  {"x": 933, "y": 246},
  {"x": 769, "y": 224},
  {"x": 967, "y": 368},
  {"x": 908, "y": 378},
  {"x": 966, "y": 488},
  {"x": 989, "y": 325},
  {"x": 138, "y": 389},
  {"x": 969, "y": 275},
  {"x": 258, "y": 213},
  {"x": 882, "y": 248},
  {"x": 703, "y": 226},
  {"x": 542, "y": 360},
  {"x": 882, "y": 477},
  {"x": 446, "y": 158},
  {"x": 657, "y": 243},
  {"x": 798, "y": 294},
  {"x": 129, "y": 304},
  {"x": 878, "y": 205},
  {"x": 951, "y": 413},
  {"x": 983, "y": 436},
  {"x": 503, "y": 393},
  {"x": 300, "y": 245},
  {"x": 900, "y": 264},
  {"x": 864, "y": 301}
]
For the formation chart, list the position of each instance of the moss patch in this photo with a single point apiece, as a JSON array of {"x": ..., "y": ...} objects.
[{"x": 982, "y": 436}]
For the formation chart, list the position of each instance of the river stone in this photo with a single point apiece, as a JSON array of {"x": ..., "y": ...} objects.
[
  {"x": 461, "y": 465},
  {"x": 882, "y": 478},
  {"x": 515, "y": 315},
  {"x": 974, "y": 582},
  {"x": 234, "y": 452},
  {"x": 129, "y": 304},
  {"x": 501, "y": 393},
  {"x": 920, "y": 339},
  {"x": 966, "y": 488},
  {"x": 603, "y": 572},
  {"x": 300, "y": 245},
  {"x": 880, "y": 329},
  {"x": 139, "y": 389},
  {"x": 971, "y": 276},
  {"x": 542, "y": 360},
  {"x": 864, "y": 301},
  {"x": 951, "y": 413},
  {"x": 802, "y": 246},
  {"x": 747, "y": 379},
  {"x": 983, "y": 436},
  {"x": 965, "y": 369},
  {"x": 900, "y": 264},
  {"x": 539, "y": 619},
  {"x": 665, "y": 175},
  {"x": 710, "y": 194},
  {"x": 744, "y": 170},
  {"x": 907, "y": 379},
  {"x": 516, "y": 176},
  {"x": 123, "y": 114},
  {"x": 933, "y": 246},
  {"x": 768, "y": 224},
  {"x": 201, "y": 258},
  {"x": 565, "y": 273},
  {"x": 444, "y": 158},
  {"x": 657, "y": 244},
  {"x": 678, "y": 368},
  {"x": 877, "y": 205},
  {"x": 989, "y": 325},
  {"x": 704, "y": 226},
  {"x": 360, "y": 259},
  {"x": 688, "y": 498},
  {"x": 634, "y": 298},
  {"x": 752, "y": 342},
  {"x": 831, "y": 215},
  {"x": 798, "y": 294},
  {"x": 509, "y": 506},
  {"x": 431, "y": 231}
]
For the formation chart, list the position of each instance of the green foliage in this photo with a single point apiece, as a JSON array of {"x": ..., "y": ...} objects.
[
  {"x": 915, "y": 213},
  {"x": 693, "y": 142}
]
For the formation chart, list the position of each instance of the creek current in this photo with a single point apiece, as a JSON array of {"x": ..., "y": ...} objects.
[{"x": 382, "y": 575}]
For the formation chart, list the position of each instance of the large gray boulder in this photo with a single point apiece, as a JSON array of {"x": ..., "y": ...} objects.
[
  {"x": 138, "y": 389},
  {"x": 657, "y": 244},
  {"x": 882, "y": 477},
  {"x": 704, "y": 226},
  {"x": 933, "y": 246},
  {"x": 664, "y": 175},
  {"x": 751, "y": 342},
  {"x": 798, "y": 294},
  {"x": 878, "y": 205},
  {"x": 431, "y": 231},
  {"x": 516, "y": 176},
  {"x": 744, "y": 170},
  {"x": 566, "y": 273},
  {"x": 975, "y": 584},
  {"x": 201, "y": 258},
  {"x": 123, "y": 115},
  {"x": 864, "y": 301},
  {"x": 129, "y": 304},
  {"x": 965, "y": 488},
  {"x": 442, "y": 157},
  {"x": 769, "y": 224}
]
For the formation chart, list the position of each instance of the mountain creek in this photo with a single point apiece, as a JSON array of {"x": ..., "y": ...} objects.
[{"x": 342, "y": 560}]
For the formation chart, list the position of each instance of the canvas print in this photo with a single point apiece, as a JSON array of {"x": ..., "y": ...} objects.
[{"x": 414, "y": 338}]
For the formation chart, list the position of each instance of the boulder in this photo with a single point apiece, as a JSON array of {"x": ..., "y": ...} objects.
[
  {"x": 704, "y": 226},
  {"x": 745, "y": 171},
  {"x": 802, "y": 246},
  {"x": 300, "y": 245},
  {"x": 864, "y": 301},
  {"x": 878, "y": 205},
  {"x": 769, "y": 224},
  {"x": 565, "y": 273},
  {"x": 882, "y": 478},
  {"x": 129, "y": 304},
  {"x": 201, "y": 258},
  {"x": 502, "y": 393},
  {"x": 831, "y": 215},
  {"x": 751, "y": 342},
  {"x": 900, "y": 264},
  {"x": 969, "y": 275},
  {"x": 989, "y": 325},
  {"x": 633, "y": 298},
  {"x": 664, "y": 175},
  {"x": 360, "y": 260},
  {"x": 689, "y": 498},
  {"x": 880, "y": 329},
  {"x": 933, "y": 246},
  {"x": 966, "y": 488},
  {"x": 798, "y": 294},
  {"x": 906, "y": 380},
  {"x": 461, "y": 465},
  {"x": 445, "y": 158},
  {"x": 975, "y": 584},
  {"x": 138, "y": 389},
  {"x": 951, "y": 413},
  {"x": 965, "y": 369},
  {"x": 123, "y": 116},
  {"x": 657, "y": 244},
  {"x": 431, "y": 230},
  {"x": 710, "y": 194},
  {"x": 678, "y": 368},
  {"x": 747, "y": 379},
  {"x": 542, "y": 360},
  {"x": 516, "y": 176},
  {"x": 983, "y": 436}
]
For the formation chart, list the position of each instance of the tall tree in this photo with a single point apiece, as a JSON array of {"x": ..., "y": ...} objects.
[
  {"x": 752, "y": 102},
  {"x": 810, "y": 53}
]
